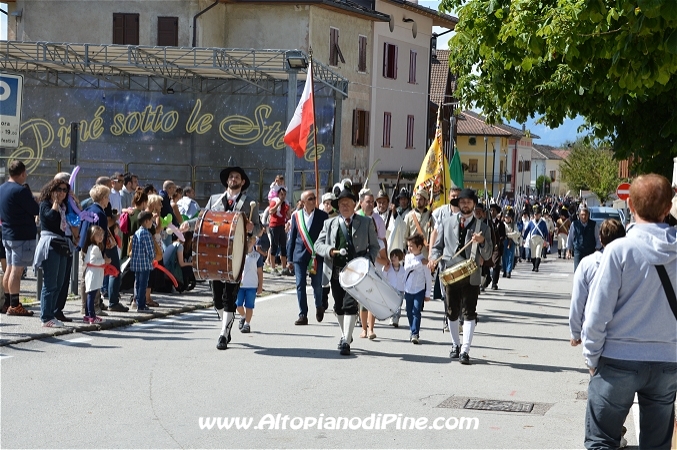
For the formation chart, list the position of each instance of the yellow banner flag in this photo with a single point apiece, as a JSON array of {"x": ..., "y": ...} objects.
[{"x": 434, "y": 174}]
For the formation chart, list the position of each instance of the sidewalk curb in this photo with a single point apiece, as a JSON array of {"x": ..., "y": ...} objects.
[{"x": 121, "y": 321}]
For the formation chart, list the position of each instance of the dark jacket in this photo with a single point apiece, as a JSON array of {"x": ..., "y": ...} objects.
[
  {"x": 17, "y": 212},
  {"x": 50, "y": 220},
  {"x": 167, "y": 207},
  {"x": 296, "y": 250},
  {"x": 102, "y": 222}
]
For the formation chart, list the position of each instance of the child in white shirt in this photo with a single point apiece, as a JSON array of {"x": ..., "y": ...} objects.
[
  {"x": 395, "y": 275},
  {"x": 417, "y": 285},
  {"x": 246, "y": 295}
]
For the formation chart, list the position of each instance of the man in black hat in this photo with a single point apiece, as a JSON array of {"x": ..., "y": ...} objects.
[
  {"x": 536, "y": 233},
  {"x": 233, "y": 199},
  {"x": 404, "y": 200},
  {"x": 343, "y": 238},
  {"x": 452, "y": 235},
  {"x": 499, "y": 235}
]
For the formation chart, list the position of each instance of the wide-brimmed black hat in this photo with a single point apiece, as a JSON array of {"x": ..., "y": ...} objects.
[
  {"x": 346, "y": 193},
  {"x": 510, "y": 213},
  {"x": 537, "y": 210},
  {"x": 225, "y": 173},
  {"x": 495, "y": 206},
  {"x": 404, "y": 193},
  {"x": 465, "y": 193}
]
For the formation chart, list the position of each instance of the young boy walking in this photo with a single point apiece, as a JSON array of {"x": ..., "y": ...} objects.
[{"x": 418, "y": 284}]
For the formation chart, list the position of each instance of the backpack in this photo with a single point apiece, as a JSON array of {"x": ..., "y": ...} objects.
[{"x": 124, "y": 222}]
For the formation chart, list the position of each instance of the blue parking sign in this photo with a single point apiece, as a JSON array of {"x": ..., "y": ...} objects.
[
  {"x": 11, "y": 94},
  {"x": 9, "y": 91}
]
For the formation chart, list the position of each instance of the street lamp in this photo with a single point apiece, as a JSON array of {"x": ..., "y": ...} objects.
[
  {"x": 536, "y": 182},
  {"x": 486, "y": 148},
  {"x": 522, "y": 186}
]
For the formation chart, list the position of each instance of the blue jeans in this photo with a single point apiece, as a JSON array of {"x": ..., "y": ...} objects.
[
  {"x": 301, "y": 271},
  {"x": 90, "y": 306},
  {"x": 53, "y": 273},
  {"x": 140, "y": 285},
  {"x": 611, "y": 393},
  {"x": 414, "y": 306},
  {"x": 508, "y": 255},
  {"x": 114, "y": 282}
]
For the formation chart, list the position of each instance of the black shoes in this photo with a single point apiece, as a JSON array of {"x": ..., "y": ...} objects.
[
  {"x": 344, "y": 348},
  {"x": 494, "y": 287},
  {"x": 302, "y": 320},
  {"x": 319, "y": 314},
  {"x": 464, "y": 358},
  {"x": 118, "y": 307},
  {"x": 222, "y": 344},
  {"x": 508, "y": 275},
  {"x": 455, "y": 351},
  {"x": 241, "y": 323}
]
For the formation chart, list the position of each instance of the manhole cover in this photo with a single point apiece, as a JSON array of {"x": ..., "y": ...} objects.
[{"x": 498, "y": 405}]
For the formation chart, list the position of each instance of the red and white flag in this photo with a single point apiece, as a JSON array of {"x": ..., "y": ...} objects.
[{"x": 302, "y": 123}]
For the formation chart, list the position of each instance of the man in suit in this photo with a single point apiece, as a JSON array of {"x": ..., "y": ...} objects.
[
  {"x": 233, "y": 199},
  {"x": 306, "y": 225},
  {"x": 452, "y": 235},
  {"x": 343, "y": 238}
]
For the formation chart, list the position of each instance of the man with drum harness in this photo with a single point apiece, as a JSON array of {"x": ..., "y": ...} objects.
[
  {"x": 343, "y": 238},
  {"x": 234, "y": 199},
  {"x": 461, "y": 242}
]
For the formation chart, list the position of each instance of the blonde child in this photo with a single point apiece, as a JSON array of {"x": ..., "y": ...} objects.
[
  {"x": 395, "y": 276},
  {"x": 246, "y": 295},
  {"x": 94, "y": 262},
  {"x": 417, "y": 285}
]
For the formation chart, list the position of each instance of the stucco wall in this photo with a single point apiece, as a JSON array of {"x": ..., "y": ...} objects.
[
  {"x": 359, "y": 94},
  {"x": 266, "y": 26},
  {"x": 399, "y": 97},
  {"x": 87, "y": 21}
]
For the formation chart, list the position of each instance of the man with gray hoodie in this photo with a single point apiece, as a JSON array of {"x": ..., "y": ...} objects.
[{"x": 630, "y": 329}]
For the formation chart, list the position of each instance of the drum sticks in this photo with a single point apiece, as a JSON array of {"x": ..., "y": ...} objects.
[
  {"x": 251, "y": 209},
  {"x": 457, "y": 253}
]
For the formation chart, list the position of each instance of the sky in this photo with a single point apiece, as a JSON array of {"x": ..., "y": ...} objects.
[
  {"x": 549, "y": 136},
  {"x": 568, "y": 131}
]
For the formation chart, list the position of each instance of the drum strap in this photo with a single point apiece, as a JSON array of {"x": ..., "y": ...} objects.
[
  {"x": 418, "y": 227},
  {"x": 473, "y": 249}
]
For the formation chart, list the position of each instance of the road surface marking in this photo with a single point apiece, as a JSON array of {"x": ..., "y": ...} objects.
[
  {"x": 75, "y": 341},
  {"x": 3, "y": 356},
  {"x": 559, "y": 275}
]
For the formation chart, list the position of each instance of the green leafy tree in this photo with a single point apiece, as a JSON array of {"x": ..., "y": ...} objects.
[
  {"x": 591, "y": 168},
  {"x": 543, "y": 184},
  {"x": 611, "y": 61}
]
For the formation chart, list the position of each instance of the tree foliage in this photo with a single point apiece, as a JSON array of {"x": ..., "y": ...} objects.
[
  {"x": 543, "y": 184},
  {"x": 610, "y": 61},
  {"x": 591, "y": 168}
]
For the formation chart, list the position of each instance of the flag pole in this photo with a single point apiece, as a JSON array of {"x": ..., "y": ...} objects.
[
  {"x": 444, "y": 178},
  {"x": 312, "y": 90}
]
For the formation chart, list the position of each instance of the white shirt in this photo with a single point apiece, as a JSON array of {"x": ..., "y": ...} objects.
[
  {"x": 308, "y": 218},
  {"x": 115, "y": 200},
  {"x": 395, "y": 277},
  {"x": 188, "y": 206},
  {"x": 418, "y": 276},
  {"x": 250, "y": 277},
  {"x": 93, "y": 275}
]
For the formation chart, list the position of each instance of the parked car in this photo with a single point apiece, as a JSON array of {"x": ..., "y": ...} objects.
[{"x": 601, "y": 213}]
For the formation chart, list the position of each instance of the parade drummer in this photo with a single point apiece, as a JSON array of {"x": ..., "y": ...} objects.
[
  {"x": 452, "y": 235},
  {"x": 343, "y": 238},
  {"x": 234, "y": 199}
]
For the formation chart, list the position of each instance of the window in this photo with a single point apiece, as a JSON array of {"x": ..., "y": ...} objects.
[
  {"x": 360, "y": 128},
  {"x": 519, "y": 167},
  {"x": 552, "y": 175},
  {"x": 412, "y": 67},
  {"x": 168, "y": 31},
  {"x": 500, "y": 170},
  {"x": 527, "y": 166},
  {"x": 472, "y": 166},
  {"x": 410, "y": 132},
  {"x": 362, "y": 61},
  {"x": 125, "y": 29},
  {"x": 387, "y": 120},
  {"x": 390, "y": 61},
  {"x": 335, "y": 54}
]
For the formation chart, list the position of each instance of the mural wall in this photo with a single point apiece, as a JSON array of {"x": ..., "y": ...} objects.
[{"x": 183, "y": 136}]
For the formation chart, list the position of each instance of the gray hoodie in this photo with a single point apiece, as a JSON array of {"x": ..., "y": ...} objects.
[{"x": 628, "y": 316}]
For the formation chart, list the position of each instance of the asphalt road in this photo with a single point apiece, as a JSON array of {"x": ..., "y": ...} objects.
[{"x": 161, "y": 383}]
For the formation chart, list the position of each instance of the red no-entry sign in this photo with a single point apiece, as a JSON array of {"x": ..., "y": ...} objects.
[{"x": 623, "y": 191}]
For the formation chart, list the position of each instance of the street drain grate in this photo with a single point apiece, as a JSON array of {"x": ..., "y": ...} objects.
[
  {"x": 492, "y": 405},
  {"x": 498, "y": 405}
]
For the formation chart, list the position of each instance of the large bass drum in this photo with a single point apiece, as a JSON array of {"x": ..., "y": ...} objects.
[
  {"x": 360, "y": 279},
  {"x": 220, "y": 244}
]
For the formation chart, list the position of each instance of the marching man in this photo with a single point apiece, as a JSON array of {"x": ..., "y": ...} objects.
[{"x": 343, "y": 238}]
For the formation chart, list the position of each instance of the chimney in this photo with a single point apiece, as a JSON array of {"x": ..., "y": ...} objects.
[{"x": 524, "y": 127}]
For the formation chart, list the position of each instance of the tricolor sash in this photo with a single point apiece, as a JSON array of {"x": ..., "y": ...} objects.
[{"x": 307, "y": 241}]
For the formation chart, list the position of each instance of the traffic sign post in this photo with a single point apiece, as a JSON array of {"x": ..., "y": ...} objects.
[
  {"x": 11, "y": 95},
  {"x": 623, "y": 191}
]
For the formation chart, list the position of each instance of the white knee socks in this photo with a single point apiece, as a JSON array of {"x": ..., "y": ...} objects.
[
  {"x": 228, "y": 320},
  {"x": 339, "y": 318},
  {"x": 468, "y": 330},
  {"x": 349, "y": 326},
  {"x": 453, "y": 331}
]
